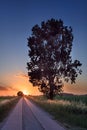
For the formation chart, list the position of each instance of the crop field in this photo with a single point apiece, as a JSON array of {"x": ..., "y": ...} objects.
[{"x": 70, "y": 110}]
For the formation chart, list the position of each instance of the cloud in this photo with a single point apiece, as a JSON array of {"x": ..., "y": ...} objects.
[
  {"x": 12, "y": 88},
  {"x": 2, "y": 88},
  {"x": 21, "y": 75},
  {"x": 7, "y": 88}
]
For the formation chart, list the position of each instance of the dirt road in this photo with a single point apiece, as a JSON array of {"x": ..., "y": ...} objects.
[{"x": 27, "y": 116}]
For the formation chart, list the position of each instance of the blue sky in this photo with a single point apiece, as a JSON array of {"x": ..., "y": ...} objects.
[{"x": 17, "y": 17}]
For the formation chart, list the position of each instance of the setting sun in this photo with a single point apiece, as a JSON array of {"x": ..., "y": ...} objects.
[{"x": 25, "y": 92}]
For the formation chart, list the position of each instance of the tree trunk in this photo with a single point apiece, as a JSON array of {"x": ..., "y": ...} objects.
[
  {"x": 51, "y": 95},
  {"x": 51, "y": 88},
  {"x": 51, "y": 92}
]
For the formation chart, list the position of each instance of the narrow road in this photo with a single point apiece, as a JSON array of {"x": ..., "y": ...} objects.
[
  {"x": 27, "y": 116},
  {"x": 29, "y": 120}
]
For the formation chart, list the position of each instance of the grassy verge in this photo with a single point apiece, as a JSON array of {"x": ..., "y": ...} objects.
[
  {"x": 7, "y": 107},
  {"x": 5, "y": 97},
  {"x": 70, "y": 111}
]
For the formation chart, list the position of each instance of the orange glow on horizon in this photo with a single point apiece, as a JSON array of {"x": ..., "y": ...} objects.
[
  {"x": 25, "y": 92},
  {"x": 20, "y": 82}
]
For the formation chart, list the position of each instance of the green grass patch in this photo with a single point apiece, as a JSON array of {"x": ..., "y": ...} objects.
[
  {"x": 75, "y": 98},
  {"x": 5, "y": 97},
  {"x": 7, "y": 107},
  {"x": 68, "y": 110}
]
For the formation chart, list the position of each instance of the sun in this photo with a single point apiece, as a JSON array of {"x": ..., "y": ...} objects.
[{"x": 25, "y": 92}]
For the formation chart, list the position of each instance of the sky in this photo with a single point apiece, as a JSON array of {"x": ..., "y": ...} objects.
[{"x": 17, "y": 17}]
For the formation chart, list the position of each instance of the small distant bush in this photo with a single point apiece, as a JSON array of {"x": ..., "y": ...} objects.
[{"x": 20, "y": 93}]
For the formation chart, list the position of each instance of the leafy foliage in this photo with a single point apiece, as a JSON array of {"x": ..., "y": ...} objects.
[
  {"x": 20, "y": 93},
  {"x": 50, "y": 61}
]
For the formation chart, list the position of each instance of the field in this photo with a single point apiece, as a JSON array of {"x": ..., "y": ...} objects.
[
  {"x": 70, "y": 110},
  {"x": 6, "y": 104}
]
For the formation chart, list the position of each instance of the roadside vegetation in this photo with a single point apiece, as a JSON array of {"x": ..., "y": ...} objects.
[
  {"x": 6, "y": 105},
  {"x": 70, "y": 110},
  {"x": 5, "y": 97}
]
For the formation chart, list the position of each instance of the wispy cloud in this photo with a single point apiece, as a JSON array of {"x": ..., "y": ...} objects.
[
  {"x": 7, "y": 88},
  {"x": 2, "y": 88},
  {"x": 21, "y": 75},
  {"x": 12, "y": 88}
]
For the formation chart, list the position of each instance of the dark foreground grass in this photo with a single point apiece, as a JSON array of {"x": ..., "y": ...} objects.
[
  {"x": 7, "y": 107},
  {"x": 72, "y": 113}
]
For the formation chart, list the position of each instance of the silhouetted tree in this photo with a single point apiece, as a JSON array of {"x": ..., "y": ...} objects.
[
  {"x": 50, "y": 58},
  {"x": 20, "y": 93}
]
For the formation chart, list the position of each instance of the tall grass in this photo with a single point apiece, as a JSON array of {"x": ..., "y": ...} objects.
[
  {"x": 7, "y": 107},
  {"x": 75, "y": 98},
  {"x": 5, "y": 97},
  {"x": 69, "y": 110}
]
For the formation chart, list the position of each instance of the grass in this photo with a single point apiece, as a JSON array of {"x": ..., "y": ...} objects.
[
  {"x": 7, "y": 107},
  {"x": 70, "y": 110},
  {"x": 5, "y": 97},
  {"x": 75, "y": 98}
]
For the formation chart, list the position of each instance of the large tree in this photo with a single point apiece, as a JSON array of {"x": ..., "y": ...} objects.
[{"x": 50, "y": 61}]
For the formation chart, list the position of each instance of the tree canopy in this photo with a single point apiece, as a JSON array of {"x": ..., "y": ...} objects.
[
  {"x": 50, "y": 61},
  {"x": 20, "y": 93}
]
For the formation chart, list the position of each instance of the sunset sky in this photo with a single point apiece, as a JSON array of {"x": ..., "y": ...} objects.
[{"x": 17, "y": 17}]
